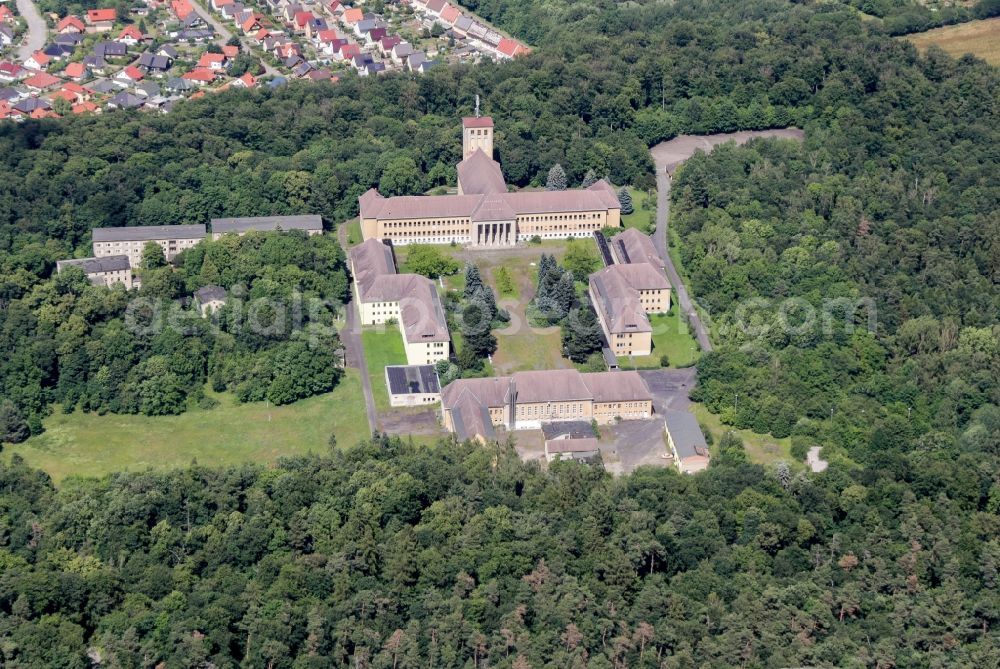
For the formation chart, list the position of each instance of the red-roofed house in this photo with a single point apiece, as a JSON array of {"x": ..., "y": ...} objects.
[
  {"x": 301, "y": 19},
  {"x": 181, "y": 8},
  {"x": 6, "y": 111},
  {"x": 212, "y": 61},
  {"x": 64, "y": 95},
  {"x": 6, "y": 15},
  {"x": 43, "y": 113},
  {"x": 252, "y": 25},
  {"x": 41, "y": 81},
  {"x": 195, "y": 96},
  {"x": 348, "y": 51},
  {"x": 246, "y": 81},
  {"x": 285, "y": 51},
  {"x": 101, "y": 20},
  {"x": 449, "y": 15},
  {"x": 200, "y": 76},
  {"x": 85, "y": 108},
  {"x": 70, "y": 24},
  {"x": 11, "y": 72},
  {"x": 352, "y": 16},
  {"x": 131, "y": 35},
  {"x": 386, "y": 43},
  {"x": 375, "y": 35},
  {"x": 129, "y": 75},
  {"x": 510, "y": 48},
  {"x": 230, "y": 52},
  {"x": 217, "y": 5},
  {"x": 76, "y": 71},
  {"x": 37, "y": 61},
  {"x": 82, "y": 93}
]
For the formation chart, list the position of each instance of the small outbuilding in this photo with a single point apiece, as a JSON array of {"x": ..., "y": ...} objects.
[
  {"x": 686, "y": 442},
  {"x": 412, "y": 385},
  {"x": 571, "y": 448},
  {"x": 209, "y": 299}
]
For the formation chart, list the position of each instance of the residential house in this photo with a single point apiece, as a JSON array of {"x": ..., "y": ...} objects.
[
  {"x": 179, "y": 85},
  {"x": 300, "y": 19},
  {"x": 386, "y": 43},
  {"x": 100, "y": 20},
  {"x": 128, "y": 76},
  {"x": 315, "y": 26},
  {"x": 449, "y": 14},
  {"x": 147, "y": 89},
  {"x": 41, "y": 81},
  {"x": 230, "y": 51},
  {"x": 426, "y": 65},
  {"x": 433, "y": 8},
  {"x": 401, "y": 52},
  {"x": 153, "y": 64},
  {"x": 200, "y": 76},
  {"x": 414, "y": 60},
  {"x": 6, "y": 14},
  {"x": 217, "y": 5},
  {"x": 322, "y": 75},
  {"x": 245, "y": 81},
  {"x": 68, "y": 39},
  {"x": 28, "y": 106},
  {"x": 79, "y": 93},
  {"x": 508, "y": 48},
  {"x": 130, "y": 35},
  {"x": 37, "y": 61},
  {"x": 11, "y": 72},
  {"x": 301, "y": 69},
  {"x": 86, "y": 108},
  {"x": 58, "y": 52},
  {"x": 364, "y": 26},
  {"x": 375, "y": 35},
  {"x": 209, "y": 299},
  {"x": 351, "y": 16},
  {"x": 461, "y": 26},
  {"x": 197, "y": 36},
  {"x": 103, "y": 86},
  {"x": 252, "y": 25},
  {"x": 686, "y": 442},
  {"x": 6, "y": 36},
  {"x": 95, "y": 63},
  {"x": 106, "y": 271},
  {"x": 181, "y": 9},
  {"x": 216, "y": 62},
  {"x": 107, "y": 50},
  {"x": 168, "y": 51},
  {"x": 70, "y": 24},
  {"x": 11, "y": 95},
  {"x": 125, "y": 100},
  {"x": 349, "y": 51}
]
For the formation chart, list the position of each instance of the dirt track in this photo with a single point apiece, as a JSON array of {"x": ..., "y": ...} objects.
[{"x": 668, "y": 155}]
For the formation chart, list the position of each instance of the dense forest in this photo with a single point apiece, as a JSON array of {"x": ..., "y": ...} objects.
[{"x": 388, "y": 555}]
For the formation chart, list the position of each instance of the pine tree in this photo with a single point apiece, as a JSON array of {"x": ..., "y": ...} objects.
[
  {"x": 589, "y": 179},
  {"x": 545, "y": 267},
  {"x": 625, "y": 200},
  {"x": 564, "y": 294},
  {"x": 581, "y": 334},
  {"x": 473, "y": 281},
  {"x": 556, "y": 179}
]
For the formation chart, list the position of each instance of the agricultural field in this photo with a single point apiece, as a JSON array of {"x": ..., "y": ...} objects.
[
  {"x": 85, "y": 444},
  {"x": 980, "y": 38}
]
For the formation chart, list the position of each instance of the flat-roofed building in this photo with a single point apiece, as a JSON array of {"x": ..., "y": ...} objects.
[
  {"x": 528, "y": 400},
  {"x": 412, "y": 385},
  {"x": 624, "y": 293},
  {"x": 686, "y": 442},
  {"x": 309, "y": 223},
  {"x": 484, "y": 213},
  {"x": 410, "y": 300},
  {"x": 105, "y": 271},
  {"x": 131, "y": 240}
]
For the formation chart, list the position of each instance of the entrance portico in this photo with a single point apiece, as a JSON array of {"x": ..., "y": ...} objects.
[{"x": 494, "y": 233}]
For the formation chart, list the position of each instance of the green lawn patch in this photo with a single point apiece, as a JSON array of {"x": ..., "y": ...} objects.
[
  {"x": 353, "y": 232},
  {"x": 383, "y": 346},
  {"x": 505, "y": 284},
  {"x": 641, "y": 218},
  {"x": 761, "y": 448},
  {"x": 83, "y": 444},
  {"x": 671, "y": 336}
]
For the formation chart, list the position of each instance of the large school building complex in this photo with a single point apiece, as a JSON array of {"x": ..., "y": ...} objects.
[{"x": 483, "y": 212}]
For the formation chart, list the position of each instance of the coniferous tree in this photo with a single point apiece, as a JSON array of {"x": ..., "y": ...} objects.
[
  {"x": 473, "y": 281},
  {"x": 556, "y": 179},
  {"x": 564, "y": 293},
  {"x": 581, "y": 334},
  {"x": 625, "y": 200},
  {"x": 589, "y": 179}
]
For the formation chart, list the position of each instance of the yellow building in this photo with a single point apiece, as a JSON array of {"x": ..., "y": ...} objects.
[
  {"x": 131, "y": 240},
  {"x": 410, "y": 300},
  {"x": 105, "y": 271},
  {"x": 625, "y": 292},
  {"x": 472, "y": 408},
  {"x": 484, "y": 213}
]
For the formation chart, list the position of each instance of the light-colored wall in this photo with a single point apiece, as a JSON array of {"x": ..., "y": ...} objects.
[
  {"x": 133, "y": 249},
  {"x": 217, "y": 235},
  {"x": 477, "y": 138},
  {"x": 208, "y": 307},
  {"x": 530, "y": 415},
  {"x": 425, "y": 353},
  {"x": 628, "y": 343},
  {"x": 655, "y": 301},
  {"x": 690, "y": 465}
]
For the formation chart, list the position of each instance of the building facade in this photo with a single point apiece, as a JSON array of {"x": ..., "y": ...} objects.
[
  {"x": 484, "y": 213},
  {"x": 686, "y": 442},
  {"x": 105, "y": 271},
  {"x": 131, "y": 240},
  {"x": 472, "y": 408},
  {"x": 410, "y": 300}
]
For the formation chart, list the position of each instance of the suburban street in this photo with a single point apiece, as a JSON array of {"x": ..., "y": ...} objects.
[
  {"x": 34, "y": 39},
  {"x": 225, "y": 34}
]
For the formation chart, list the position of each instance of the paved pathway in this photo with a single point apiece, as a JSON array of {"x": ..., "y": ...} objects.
[
  {"x": 816, "y": 463},
  {"x": 354, "y": 350},
  {"x": 668, "y": 156},
  {"x": 34, "y": 39}
]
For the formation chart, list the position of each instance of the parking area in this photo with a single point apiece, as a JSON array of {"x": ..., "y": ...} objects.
[
  {"x": 417, "y": 420},
  {"x": 634, "y": 443},
  {"x": 670, "y": 388}
]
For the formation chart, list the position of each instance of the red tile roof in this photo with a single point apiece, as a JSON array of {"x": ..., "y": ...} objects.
[
  {"x": 199, "y": 74},
  {"x": 353, "y": 15},
  {"x": 75, "y": 70},
  {"x": 212, "y": 60},
  {"x": 133, "y": 73},
  {"x": 450, "y": 14},
  {"x": 5, "y": 12},
  {"x": 230, "y": 51},
  {"x": 40, "y": 58},
  {"x": 70, "y": 22},
  {"x": 84, "y": 107},
  {"x": 477, "y": 122},
  {"x": 131, "y": 31},
  {"x": 302, "y": 18},
  {"x": 41, "y": 80},
  {"x": 10, "y": 69},
  {"x": 64, "y": 94},
  {"x": 511, "y": 48},
  {"x": 181, "y": 8},
  {"x": 248, "y": 80},
  {"x": 99, "y": 15},
  {"x": 249, "y": 24}
]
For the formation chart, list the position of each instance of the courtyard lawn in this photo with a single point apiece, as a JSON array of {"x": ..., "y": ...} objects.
[
  {"x": 643, "y": 219},
  {"x": 761, "y": 448},
  {"x": 81, "y": 444},
  {"x": 980, "y": 38},
  {"x": 353, "y": 232},
  {"x": 383, "y": 346},
  {"x": 671, "y": 336}
]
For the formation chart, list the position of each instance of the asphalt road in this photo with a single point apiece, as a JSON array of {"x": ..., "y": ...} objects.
[
  {"x": 668, "y": 156},
  {"x": 354, "y": 350},
  {"x": 34, "y": 39}
]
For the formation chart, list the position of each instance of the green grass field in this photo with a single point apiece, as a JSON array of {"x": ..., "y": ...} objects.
[
  {"x": 671, "y": 336},
  {"x": 761, "y": 448},
  {"x": 980, "y": 38},
  {"x": 80, "y": 444},
  {"x": 383, "y": 346},
  {"x": 353, "y": 232},
  {"x": 640, "y": 218}
]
